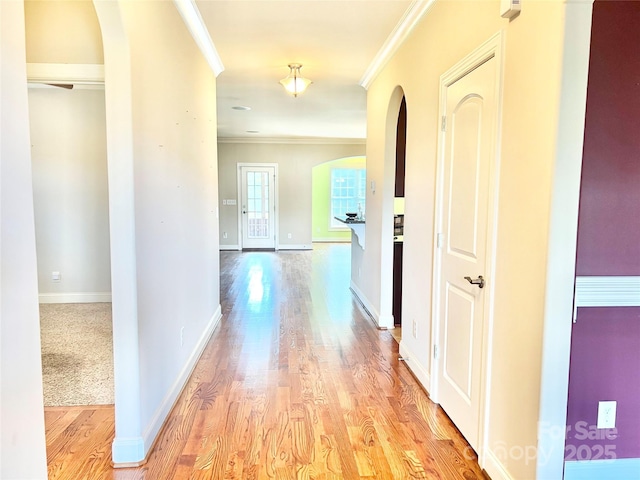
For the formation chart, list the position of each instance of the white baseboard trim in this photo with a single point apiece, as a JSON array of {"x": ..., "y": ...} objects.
[
  {"x": 386, "y": 321},
  {"x": 331, "y": 240},
  {"x": 381, "y": 321},
  {"x": 366, "y": 304},
  {"x": 152, "y": 430},
  {"x": 494, "y": 467},
  {"x": 77, "y": 297},
  {"x": 306, "y": 246},
  {"x": 421, "y": 373},
  {"x": 617, "y": 469},
  {"x": 124, "y": 450}
]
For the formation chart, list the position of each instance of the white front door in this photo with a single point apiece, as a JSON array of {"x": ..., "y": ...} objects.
[
  {"x": 468, "y": 156},
  {"x": 258, "y": 206}
]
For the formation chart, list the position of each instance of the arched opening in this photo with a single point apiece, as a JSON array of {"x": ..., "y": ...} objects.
[
  {"x": 387, "y": 243},
  {"x": 338, "y": 186},
  {"x": 398, "y": 213},
  {"x": 71, "y": 201},
  {"x": 96, "y": 109}
]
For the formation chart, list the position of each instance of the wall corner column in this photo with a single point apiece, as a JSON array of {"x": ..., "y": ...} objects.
[
  {"x": 563, "y": 229},
  {"x": 128, "y": 445}
]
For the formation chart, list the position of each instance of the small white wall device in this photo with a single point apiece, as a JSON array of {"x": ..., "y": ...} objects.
[{"x": 509, "y": 8}]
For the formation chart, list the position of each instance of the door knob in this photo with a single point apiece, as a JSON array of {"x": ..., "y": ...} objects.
[{"x": 476, "y": 281}]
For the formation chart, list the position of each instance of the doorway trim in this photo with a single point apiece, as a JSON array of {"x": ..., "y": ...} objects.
[
  {"x": 276, "y": 202},
  {"x": 80, "y": 77},
  {"x": 492, "y": 48}
]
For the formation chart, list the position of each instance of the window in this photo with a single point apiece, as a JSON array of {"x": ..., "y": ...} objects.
[{"x": 348, "y": 190}]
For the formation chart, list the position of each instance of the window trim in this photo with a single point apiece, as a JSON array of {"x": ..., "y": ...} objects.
[{"x": 360, "y": 176}]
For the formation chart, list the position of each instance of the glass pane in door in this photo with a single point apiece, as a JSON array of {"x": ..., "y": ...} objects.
[{"x": 258, "y": 205}]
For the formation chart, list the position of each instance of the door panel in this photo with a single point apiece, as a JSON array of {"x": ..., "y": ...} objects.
[
  {"x": 457, "y": 356},
  {"x": 464, "y": 177},
  {"x": 258, "y": 207},
  {"x": 468, "y": 155}
]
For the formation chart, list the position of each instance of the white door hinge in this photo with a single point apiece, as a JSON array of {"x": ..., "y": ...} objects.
[
  {"x": 439, "y": 240},
  {"x": 443, "y": 126},
  {"x": 435, "y": 352}
]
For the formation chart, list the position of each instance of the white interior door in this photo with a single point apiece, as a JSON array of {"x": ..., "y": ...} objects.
[
  {"x": 468, "y": 155},
  {"x": 258, "y": 206}
]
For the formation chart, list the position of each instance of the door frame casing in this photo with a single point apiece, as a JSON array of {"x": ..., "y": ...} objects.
[
  {"x": 276, "y": 203},
  {"x": 492, "y": 48}
]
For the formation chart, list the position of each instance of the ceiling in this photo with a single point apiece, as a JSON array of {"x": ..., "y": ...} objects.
[{"x": 335, "y": 40}]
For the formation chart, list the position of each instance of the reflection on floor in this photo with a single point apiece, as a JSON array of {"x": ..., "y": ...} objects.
[
  {"x": 296, "y": 382},
  {"x": 396, "y": 333}
]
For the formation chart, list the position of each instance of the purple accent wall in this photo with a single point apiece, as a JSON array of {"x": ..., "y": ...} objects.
[
  {"x": 605, "y": 343},
  {"x": 605, "y": 365},
  {"x": 609, "y": 220}
]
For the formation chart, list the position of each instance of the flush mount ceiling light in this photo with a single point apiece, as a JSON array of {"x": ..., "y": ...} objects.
[{"x": 295, "y": 83}]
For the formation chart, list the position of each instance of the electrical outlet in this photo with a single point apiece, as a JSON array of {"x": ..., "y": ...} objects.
[
  {"x": 607, "y": 414},
  {"x": 415, "y": 328},
  {"x": 55, "y": 276},
  {"x": 182, "y": 337},
  {"x": 224, "y": 234},
  {"x": 288, "y": 235}
]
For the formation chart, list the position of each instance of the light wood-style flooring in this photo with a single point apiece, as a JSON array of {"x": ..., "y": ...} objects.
[{"x": 296, "y": 383}]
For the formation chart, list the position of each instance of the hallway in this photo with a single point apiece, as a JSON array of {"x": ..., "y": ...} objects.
[{"x": 296, "y": 382}]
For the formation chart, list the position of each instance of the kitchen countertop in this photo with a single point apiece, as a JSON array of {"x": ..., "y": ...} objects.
[
  {"x": 348, "y": 221},
  {"x": 357, "y": 227}
]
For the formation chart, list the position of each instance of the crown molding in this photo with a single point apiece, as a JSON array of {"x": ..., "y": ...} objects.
[
  {"x": 193, "y": 20},
  {"x": 67, "y": 73},
  {"x": 294, "y": 140},
  {"x": 416, "y": 11}
]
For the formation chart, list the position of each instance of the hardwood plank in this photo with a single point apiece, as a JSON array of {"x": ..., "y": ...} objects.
[
  {"x": 73, "y": 453},
  {"x": 296, "y": 383},
  {"x": 58, "y": 422}
]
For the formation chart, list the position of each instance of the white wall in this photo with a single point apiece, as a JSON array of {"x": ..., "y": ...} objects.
[
  {"x": 22, "y": 442},
  {"x": 174, "y": 164},
  {"x": 71, "y": 200},
  {"x": 62, "y": 31},
  {"x": 528, "y": 148},
  {"x": 295, "y": 164}
]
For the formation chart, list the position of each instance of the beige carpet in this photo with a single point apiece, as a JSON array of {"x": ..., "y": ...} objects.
[{"x": 77, "y": 353}]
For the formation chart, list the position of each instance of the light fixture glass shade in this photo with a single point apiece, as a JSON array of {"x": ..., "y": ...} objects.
[{"x": 295, "y": 83}]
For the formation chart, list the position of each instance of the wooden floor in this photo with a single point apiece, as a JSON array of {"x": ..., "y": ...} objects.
[{"x": 296, "y": 383}]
